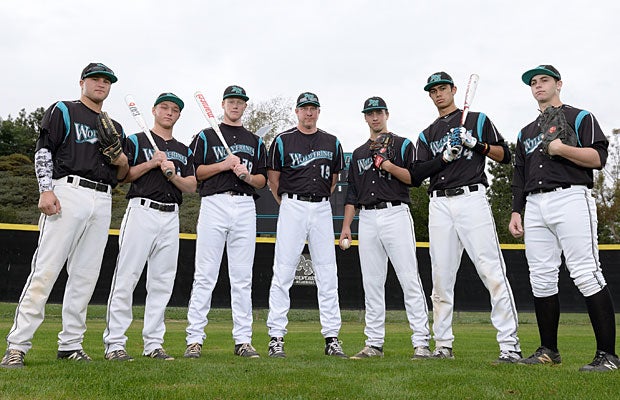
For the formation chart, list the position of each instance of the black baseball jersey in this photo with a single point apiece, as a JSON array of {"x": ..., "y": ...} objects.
[
  {"x": 208, "y": 149},
  {"x": 468, "y": 168},
  {"x": 306, "y": 163},
  {"x": 69, "y": 131},
  {"x": 153, "y": 184},
  {"x": 534, "y": 170},
  {"x": 368, "y": 185}
]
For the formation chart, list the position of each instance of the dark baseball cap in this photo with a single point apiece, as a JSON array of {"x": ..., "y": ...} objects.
[
  {"x": 437, "y": 79},
  {"x": 307, "y": 98},
  {"x": 235, "y": 91},
  {"x": 98, "y": 69},
  {"x": 167, "y": 96},
  {"x": 374, "y": 103},
  {"x": 540, "y": 70}
]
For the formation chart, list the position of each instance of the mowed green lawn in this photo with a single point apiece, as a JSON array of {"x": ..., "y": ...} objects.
[{"x": 306, "y": 373}]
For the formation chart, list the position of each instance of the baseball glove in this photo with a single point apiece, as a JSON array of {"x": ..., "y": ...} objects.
[
  {"x": 382, "y": 148},
  {"x": 553, "y": 126},
  {"x": 109, "y": 138}
]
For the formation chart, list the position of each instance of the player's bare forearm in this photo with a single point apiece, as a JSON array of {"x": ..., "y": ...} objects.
[
  {"x": 273, "y": 180},
  {"x": 186, "y": 184},
  {"x": 402, "y": 174},
  {"x": 349, "y": 214},
  {"x": 122, "y": 166},
  {"x": 256, "y": 181},
  {"x": 586, "y": 157},
  {"x": 137, "y": 171},
  {"x": 496, "y": 153},
  {"x": 334, "y": 182}
]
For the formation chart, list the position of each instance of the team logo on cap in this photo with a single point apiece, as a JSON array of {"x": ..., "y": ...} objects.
[
  {"x": 236, "y": 90},
  {"x": 309, "y": 97},
  {"x": 373, "y": 103},
  {"x": 435, "y": 78}
]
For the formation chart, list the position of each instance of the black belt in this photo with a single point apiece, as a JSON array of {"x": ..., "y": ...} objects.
[
  {"x": 99, "y": 187},
  {"x": 382, "y": 205},
  {"x": 454, "y": 192},
  {"x": 159, "y": 206},
  {"x": 302, "y": 197},
  {"x": 233, "y": 193},
  {"x": 548, "y": 190}
]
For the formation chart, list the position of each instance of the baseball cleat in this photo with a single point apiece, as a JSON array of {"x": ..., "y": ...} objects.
[
  {"x": 443, "y": 352},
  {"x": 159, "y": 354},
  {"x": 276, "y": 347},
  {"x": 421, "y": 352},
  {"x": 74, "y": 355},
  {"x": 118, "y": 355},
  {"x": 508, "y": 357},
  {"x": 193, "y": 350},
  {"x": 603, "y": 362},
  {"x": 542, "y": 355},
  {"x": 367, "y": 352},
  {"x": 246, "y": 350},
  {"x": 13, "y": 359},
  {"x": 333, "y": 348}
]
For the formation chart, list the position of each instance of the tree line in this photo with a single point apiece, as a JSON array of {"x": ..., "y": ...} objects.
[{"x": 19, "y": 194}]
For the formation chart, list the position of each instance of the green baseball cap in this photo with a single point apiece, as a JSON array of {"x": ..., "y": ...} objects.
[
  {"x": 437, "y": 79},
  {"x": 98, "y": 69},
  {"x": 540, "y": 70},
  {"x": 167, "y": 96}
]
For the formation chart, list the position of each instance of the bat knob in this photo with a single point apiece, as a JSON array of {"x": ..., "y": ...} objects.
[
  {"x": 169, "y": 173},
  {"x": 242, "y": 177}
]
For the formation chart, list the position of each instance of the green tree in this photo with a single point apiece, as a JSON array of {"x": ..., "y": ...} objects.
[
  {"x": 276, "y": 112},
  {"x": 19, "y": 135},
  {"x": 500, "y": 196},
  {"x": 419, "y": 211},
  {"x": 606, "y": 191}
]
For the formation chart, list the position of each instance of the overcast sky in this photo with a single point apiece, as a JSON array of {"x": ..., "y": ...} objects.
[{"x": 343, "y": 50}]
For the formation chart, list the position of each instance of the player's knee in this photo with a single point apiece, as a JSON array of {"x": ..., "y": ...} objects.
[
  {"x": 544, "y": 288},
  {"x": 590, "y": 283}
]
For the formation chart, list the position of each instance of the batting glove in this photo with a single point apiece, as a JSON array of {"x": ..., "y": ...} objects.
[{"x": 468, "y": 140}]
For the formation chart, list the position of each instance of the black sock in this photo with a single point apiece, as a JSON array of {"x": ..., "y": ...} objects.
[
  {"x": 548, "y": 319},
  {"x": 603, "y": 319},
  {"x": 328, "y": 340}
]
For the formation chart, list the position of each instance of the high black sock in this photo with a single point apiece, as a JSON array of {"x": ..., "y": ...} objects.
[
  {"x": 603, "y": 319},
  {"x": 548, "y": 319}
]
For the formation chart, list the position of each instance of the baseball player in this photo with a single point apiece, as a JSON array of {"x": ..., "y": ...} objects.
[
  {"x": 460, "y": 217},
  {"x": 75, "y": 181},
  {"x": 379, "y": 187},
  {"x": 303, "y": 170},
  {"x": 150, "y": 231},
  {"x": 227, "y": 217},
  {"x": 560, "y": 217}
]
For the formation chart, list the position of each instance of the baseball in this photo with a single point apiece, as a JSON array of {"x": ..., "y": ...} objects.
[{"x": 345, "y": 243}]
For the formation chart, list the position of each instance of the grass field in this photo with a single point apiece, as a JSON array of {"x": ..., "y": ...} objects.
[{"x": 306, "y": 373}]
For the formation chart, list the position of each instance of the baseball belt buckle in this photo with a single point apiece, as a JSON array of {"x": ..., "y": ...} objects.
[{"x": 454, "y": 192}]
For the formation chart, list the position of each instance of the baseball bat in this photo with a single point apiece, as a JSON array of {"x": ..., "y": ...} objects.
[
  {"x": 137, "y": 116},
  {"x": 206, "y": 111},
  {"x": 469, "y": 96}
]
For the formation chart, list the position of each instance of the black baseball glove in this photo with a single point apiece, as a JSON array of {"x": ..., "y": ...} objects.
[
  {"x": 382, "y": 149},
  {"x": 109, "y": 138},
  {"x": 553, "y": 126}
]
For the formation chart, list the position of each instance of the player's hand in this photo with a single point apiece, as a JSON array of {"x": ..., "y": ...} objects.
[
  {"x": 555, "y": 147},
  {"x": 230, "y": 162},
  {"x": 515, "y": 226},
  {"x": 120, "y": 160},
  {"x": 49, "y": 203},
  {"x": 158, "y": 158},
  {"x": 345, "y": 234},
  {"x": 449, "y": 154},
  {"x": 468, "y": 140},
  {"x": 242, "y": 171},
  {"x": 167, "y": 165}
]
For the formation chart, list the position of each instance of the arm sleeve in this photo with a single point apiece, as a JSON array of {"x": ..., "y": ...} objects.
[{"x": 43, "y": 167}]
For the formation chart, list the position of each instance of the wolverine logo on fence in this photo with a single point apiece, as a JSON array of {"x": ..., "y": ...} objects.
[{"x": 304, "y": 273}]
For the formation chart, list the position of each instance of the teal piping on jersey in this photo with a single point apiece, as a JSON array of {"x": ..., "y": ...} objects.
[
  {"x": 519, "y": 136},
  {"x": 337, "y": 147},
  {"x": 403, "y": 147},
  {"x": 260, "y": 141},
  {"x": 134, "y": 140},
  {"x": 281, "y": 149},
  {"x": 202, "y": 136},
  {"x": 66, "y": 118},
  {"x": 481, "y": 119},
  {"x": 423, "y": 138},
  {"x": 582, "y": 114}
]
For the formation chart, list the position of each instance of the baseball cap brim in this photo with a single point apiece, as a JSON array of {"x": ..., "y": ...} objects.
[
  {"x": 305, "y": 103},
  {"x": 439, "y": 82},
  {"x": 238, "y": 96},
  {"x": 367, "y": 109},
  {"x": 170, "y": 97},
  {"x": 528, "y": 75},
  {"x": 108, "y": 75}
]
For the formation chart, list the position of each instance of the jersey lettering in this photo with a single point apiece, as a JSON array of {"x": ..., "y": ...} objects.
[
  {"x": 364, "y": 165},
  {"x": 84, "y": 133},
  {"x": 531, "y": 144},
  {"x": 299, "y": 160}
]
